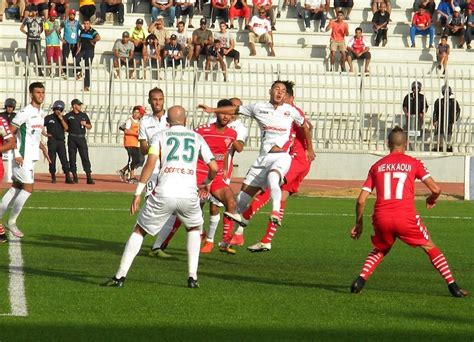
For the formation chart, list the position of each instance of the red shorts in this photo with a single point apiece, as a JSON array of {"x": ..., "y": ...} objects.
[
  {"x": 53, "y": 53},
  {"x": 2, "y": 170},
  {"x": 218, "y": 183},
  {"x": 408, "y": 228},
  {"x": 235, "y": 12},
  {"x": 297, "y": 172}
]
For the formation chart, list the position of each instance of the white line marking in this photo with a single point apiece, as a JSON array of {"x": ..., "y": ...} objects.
[
  {"x": 16, "y": 287},
  {"x": 261, "y": 212}
]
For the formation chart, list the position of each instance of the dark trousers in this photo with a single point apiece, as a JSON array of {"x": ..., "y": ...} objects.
[
  {"x": 75, "y": 144},
  {"x": 68, "y": 49},
  {"x": 234, "y": 54},
  {"x": 87, "y": 11},
  {"x": 34, "y": 49},
  {"x": 87, "y": 56},
  {"x": 218, "y": 12},
  {"x": 57, "y": 147},
  {"x": 135, "y": 158},
  {"x": 104, "y": 8},
  {"x": 380, "y": 35},
  {"x": 189, "y": 11}
]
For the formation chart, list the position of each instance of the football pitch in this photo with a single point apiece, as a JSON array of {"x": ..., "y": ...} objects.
[{"x": 297, "y": 291}]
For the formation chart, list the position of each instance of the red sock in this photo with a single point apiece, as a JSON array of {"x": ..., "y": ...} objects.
[
  {"x": 173, "y": 231},
  {"x": 271, "y": 227},
  {"x": 227, "y": 225},
  {"x": 257, "y": 204},
  {"x": 2, "y": 230},
  {"x": 439, "y": 262},
  {"x": 373, "y": 259}
]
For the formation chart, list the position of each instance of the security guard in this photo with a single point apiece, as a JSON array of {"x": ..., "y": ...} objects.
[
  {"x": 78, "y": 122},
  {"x": 55, "y": 126},
  {"x": 9, "y": 113}
]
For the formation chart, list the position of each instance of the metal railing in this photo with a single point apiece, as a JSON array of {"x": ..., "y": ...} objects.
[{"x": 349, "y": 112}]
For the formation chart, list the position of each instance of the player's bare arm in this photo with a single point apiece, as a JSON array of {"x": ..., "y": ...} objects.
[
  {"x": 435, "y": 192},
  {"x": 307, "y": 128},
  {"x": 8, "y": 144},
  {"x": 356, "y": 231},
  {"x": 16, "y": 152},
  {"x": 144, "y": 177},
  {"x": 238, "y": 146},
  {"x": 229, "y": 110},
  {"x": 144, "y": 147}
]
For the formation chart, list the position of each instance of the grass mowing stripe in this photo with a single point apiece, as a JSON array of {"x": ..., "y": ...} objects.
[
  {"x": 16, "y": 287},
  {"x": 261, "y": 212}
]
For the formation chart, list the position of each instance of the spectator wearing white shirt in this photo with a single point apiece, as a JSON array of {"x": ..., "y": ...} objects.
[
  {"x": 185, "y": 8},
  {"x": 358, "y": 49},
  {"x": 260, "y": 32},
  {"x": 227, "y": 40},
  {"x": 314, "y": 10},
  {"x": 268, "y": 7},
  {"x": 185, "y": 40}
]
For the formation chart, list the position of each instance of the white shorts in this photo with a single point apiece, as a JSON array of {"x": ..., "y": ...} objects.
[
  {"x": 24, "y": 174},
  {"x": 258, "y": 172},
  {"x": 157, "y": 210}
]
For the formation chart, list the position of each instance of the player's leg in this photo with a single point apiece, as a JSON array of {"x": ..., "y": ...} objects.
[
  {"x": 243, "y": 199},
  {"x": 257, "y": 203},
  {"x": 8, "y": 198},
  {"x": 157, "y": 250},
  {"x": 278, "y": 164},
  {"x": 214, "y": 218}
]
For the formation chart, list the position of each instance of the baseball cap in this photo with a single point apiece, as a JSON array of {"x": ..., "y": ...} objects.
[
  {"x": 72, "y": 11},
  {"x": 457, "y": 9},
  {"x": 203, "y": 21},
  {"x": 125, "y": 34},
  {"x": 141, "y": 109},
  {"x": 10, "y": 103},
  {"x": 173, "y": 36},
  {"x": 139, "y": 21},
  {"x": 58, "y": 105},
  {"x": 76, "y": 102}
]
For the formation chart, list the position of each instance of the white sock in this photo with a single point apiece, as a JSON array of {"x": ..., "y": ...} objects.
[
  {"x": 275, "y": 190},
  {"x": 213, "y": 223},
  {"x": 164, "y": 232},
  {"x": 193, "y": 246},
  {"x": 17, "y": 205},
  {"x": 7, "y": 199},
  {"x": 239, "y": 230},
  {"x": 131, "y": 250},
  {"x": 243, "y": 200}
]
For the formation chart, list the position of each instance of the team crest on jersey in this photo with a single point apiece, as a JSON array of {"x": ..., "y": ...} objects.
[{"x": 287, "y": 113}]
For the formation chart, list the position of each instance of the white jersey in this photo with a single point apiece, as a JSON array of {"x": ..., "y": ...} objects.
[
  {"x": 179, "y": 149},
  {"x": 275, "y": 124},
  {"x": 150, "y": 125},
  {"x": 29, "y": 121}
]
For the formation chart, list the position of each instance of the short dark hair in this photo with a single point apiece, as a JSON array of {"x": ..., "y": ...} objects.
[
  {"x": 358, "y": 29},
  {"x": 155, "y": 90},
  {"x": 289, "y": 87},
  {"x": 181, "y": 22},
  {"x": 35, "y": 85},
  {"x": 397, "y": 136},
  {"x": 224, "y": 103},
  {"x": 216, "y": 41},
  {"x": 444, "y": 37},
  {"x": 278, "y": 81},
  {"x": 340, "y": 12}
]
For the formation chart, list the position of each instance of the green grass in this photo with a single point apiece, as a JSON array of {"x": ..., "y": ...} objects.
[{"x": 298, "y": 291}]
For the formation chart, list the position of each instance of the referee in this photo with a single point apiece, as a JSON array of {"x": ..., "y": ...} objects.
[
  {"x": 78, "y": 122},
  {"x": 55, "y": 126}
]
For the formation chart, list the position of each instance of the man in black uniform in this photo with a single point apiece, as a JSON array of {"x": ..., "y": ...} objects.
[
  {"x": 78, "y": 122},
  {"x": 9, "y": 113},
  {"x": 55, "y": 126}
]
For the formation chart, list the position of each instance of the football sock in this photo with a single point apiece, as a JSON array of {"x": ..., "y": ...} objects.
[
  {"x": 239, "y": 230},
  {"x": 275, "y": 190},
  {"x": 213, "y": 223},
  {"x": 373, "y": 259},
  {"x": 7, "y": 199},
  {"x": 17, "y": 205},
  {"x": 175, "y": 228},
  {"x": 131, "y": 250},
  {"x": 271, "y": 227},
  {"x": 258, "y": 202},
  {"x": 2, "y": 230},
  {"x": 441, "y": 264},
  {"x": 243, "y": 200},
  {"x": 227, "y": 229},
  {"x": 193, "y": 246}
]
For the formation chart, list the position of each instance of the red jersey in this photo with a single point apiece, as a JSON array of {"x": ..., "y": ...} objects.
[
  {"x": 5, "y": 132},
  {"x": 393, "y": 177},
  {"x": 421, "y": 20},
  {"x": 299, "y": 147},
  {"x": 220, "y": 143}
]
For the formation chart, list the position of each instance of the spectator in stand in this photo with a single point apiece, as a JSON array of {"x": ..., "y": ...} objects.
[
  {"x": 358, "y": 48},
  {"x": 172, "y": 52},
  {"x": 152, "y": 55},
  {"x": 60, "y": 6},
  {"x": 185, "y": 8},
  {"x": 12, "y": 6},
  {"x": 377, "y": 4},
  {"x": 260, "y": 32},
  {"x": 138, "y": 38},
  {"x": 314, "y": 10},
  {"x": 111, "y": 6},
  {"x": 87, "y": 8},
  {"x": 202, "y": 39},
  {"x": 215, "y": 54},
  {"x": 339, "y": 30},
  {"x": 71, "y": 28},
  {"x": 239, "y": 8},
  {"x": 32, "y": 26},
  {"x": 469, "y": 26},
  {"x": 442, "y": 53},
  {"x": 269, "y": 12},
  {"x": 415, "y": 107},
  {"x": 42, "y": 7},
  {"x": 380, "y": 24},
  {"x": 455, "y": 26},
  {"x": 347, "y": 4},
  {"x": 161, "y": 34},
  {"x": 429, "y": 6},
  {"x": 443, "y": 120},
  {"x": 164, "y": 8},
  {"x": 227, "y": 40},
  {"x": 421, "y": 25},
  {"x": 185, "y": 40},
  {"x": 52, "y": 28},
  {"x": 123, "y": 55},
  {"x": 445, "y": 12},
  {"x": 88, "y": 37},
  {"x": 131, "y": 144},
  {"x": 219, "y": 8},
  {"x": 9, "y": 113}
]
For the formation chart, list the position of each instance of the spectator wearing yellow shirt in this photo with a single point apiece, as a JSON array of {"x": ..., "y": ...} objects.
[{"x": 138, "y": 36}]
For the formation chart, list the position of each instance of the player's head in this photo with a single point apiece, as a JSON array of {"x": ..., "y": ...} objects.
[
  {"x": 278, "y": 92},
  {"x": 223, "y": 119},
  {"x": 10, "y": 105},
  {"x": 397, "y": 139},
  {"x": 36, "y": 92},
  {"x": 156, "y": 99},
  {"x": 290, "y": 94},
  {"x": 236, "y": 102},
  {"x": 176, "y": 116}
]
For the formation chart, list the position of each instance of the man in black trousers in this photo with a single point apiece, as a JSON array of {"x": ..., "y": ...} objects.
[
  {"x": 55, "y": 126},
  {"x": 78, "y": 122}
]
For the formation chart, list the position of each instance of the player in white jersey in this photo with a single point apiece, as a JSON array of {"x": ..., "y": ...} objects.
[
  {"x": 275, "y": 119},
  {"x": 178, "y": 149},
  {"x": 27, "y": 125}
]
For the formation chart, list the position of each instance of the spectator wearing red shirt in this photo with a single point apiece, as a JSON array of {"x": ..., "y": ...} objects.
[
  {"x": 339, "y": 29},
  {"x": 220, "y": 8},
  {"x": 239, "y": 8},
  {"x": 421, "y": 25}
]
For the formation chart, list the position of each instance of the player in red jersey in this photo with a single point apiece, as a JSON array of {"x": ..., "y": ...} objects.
[
  {"x": 393, "y": 178},
  {"x": 302, "y": 156},
  {"x": 6, "y": 143}
]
